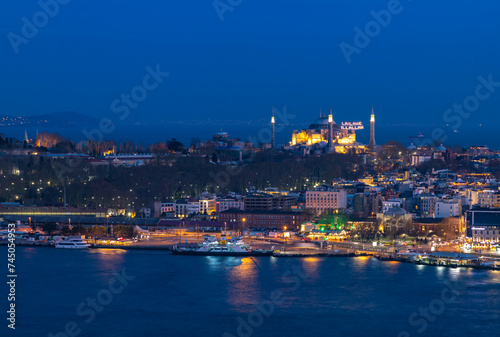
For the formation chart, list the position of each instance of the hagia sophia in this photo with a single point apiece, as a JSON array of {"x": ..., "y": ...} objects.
[{"x": 326, "y": 136}]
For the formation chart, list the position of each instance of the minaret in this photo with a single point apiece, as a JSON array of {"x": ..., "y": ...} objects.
[
  {"x": 26, "y": 136},
  {"x": 372, "y": 131},
  {"x": 273, "y": 142},
  {"x": 330, "y": 132}
]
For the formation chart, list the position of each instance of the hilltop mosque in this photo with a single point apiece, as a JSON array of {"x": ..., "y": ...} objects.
[{"x": 326, "y": 136}]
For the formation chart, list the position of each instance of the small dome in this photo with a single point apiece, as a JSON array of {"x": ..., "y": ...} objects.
[
  {"x": 396, "y": 211},
  {"x": 441, "y": 148},
  {"x": 412, "y": 147}
]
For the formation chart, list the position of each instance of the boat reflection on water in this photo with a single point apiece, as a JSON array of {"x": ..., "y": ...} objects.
[{"x": 220, "y": 263}]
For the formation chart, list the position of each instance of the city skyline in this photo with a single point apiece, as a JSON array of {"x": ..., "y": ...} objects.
[{"x": 250, "y": 168}]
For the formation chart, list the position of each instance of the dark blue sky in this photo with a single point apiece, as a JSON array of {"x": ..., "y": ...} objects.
[{"x": 264, "y": 53}]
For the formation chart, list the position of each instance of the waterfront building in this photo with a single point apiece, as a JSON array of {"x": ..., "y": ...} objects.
[
  {"x": 391, "y": 203},
  {"x": 426, "y": 205},
  {"x": 488, "y": 198},
  {"x": 448, "y": 207},
  {"x": 324, "y": 199},
  {"x": 373, "y": 203},
  {"x": 206, "y": 205},
  {"x": 37, "y": 211},
  {"x": 483, "y": 226},
  {"x": 259, "y": 201},
  {"x": 145, "y": 212},
  {"x": 167, "y": 207},
  {"x": 395, "y": 220},
  {"x": 450, "y": 227},
  {"x": 223, "y": 204},
  {"x": 358, "y": 203},
  {"x": 193, "y": 206},
  {"x": 263, "y": 219}
]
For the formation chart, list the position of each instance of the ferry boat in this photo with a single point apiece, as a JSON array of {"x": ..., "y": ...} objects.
[
  {"x": 224, "y": 248},
  {"x": 72, "y": 243}
]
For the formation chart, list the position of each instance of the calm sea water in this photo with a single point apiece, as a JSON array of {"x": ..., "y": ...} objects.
[
  {"x": 212, "y": 296},
  {"x": 466, "y": 136}
]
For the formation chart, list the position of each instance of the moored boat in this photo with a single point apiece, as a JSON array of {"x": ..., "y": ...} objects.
[
  {"x": 72, "y": 243},
  {"x": 225, "y": 248}
]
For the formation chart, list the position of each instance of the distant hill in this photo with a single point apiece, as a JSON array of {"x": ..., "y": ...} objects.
[{"x": 56, "y": 119}]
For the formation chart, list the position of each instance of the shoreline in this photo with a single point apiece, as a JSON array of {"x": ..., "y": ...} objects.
[{"x": 278, "y": 255}]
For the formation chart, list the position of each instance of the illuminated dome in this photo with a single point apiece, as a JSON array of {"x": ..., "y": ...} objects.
[
  {"x": 322, "y": 124},
  {"x": 221, "y": 136},
  {"x": 441, "y": 148}
]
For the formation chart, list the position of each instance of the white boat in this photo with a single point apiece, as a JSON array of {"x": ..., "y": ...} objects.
[
  {"x": 227, "y": 248},
  {"x": 72, "y": 243}
]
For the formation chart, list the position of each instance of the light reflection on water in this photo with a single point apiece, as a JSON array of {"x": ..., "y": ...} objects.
[
  {"x": 310, "y": 266},
  {"x": 109, "y": 261},
  {"x": 183, "y": 295},
  {"x": 361, "y": 261},
  {"x": 391, "y": 267},
  {"x": 454, "y": 273},
  {"x": 31, "y": 252},
  {"x": 244, "y": 289},
  {"x": 440, "y": 270}
]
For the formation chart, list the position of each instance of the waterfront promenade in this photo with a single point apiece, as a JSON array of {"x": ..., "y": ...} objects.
[{"x": 296, "y": 248}]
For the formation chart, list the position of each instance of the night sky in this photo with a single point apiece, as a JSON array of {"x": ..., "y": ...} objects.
[{"x": 262, "y": 54}]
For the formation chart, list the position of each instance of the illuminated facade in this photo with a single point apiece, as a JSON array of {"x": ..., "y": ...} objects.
[
  {"x": 323, "y": 200},
  {"x": 325, "y": 132}
]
